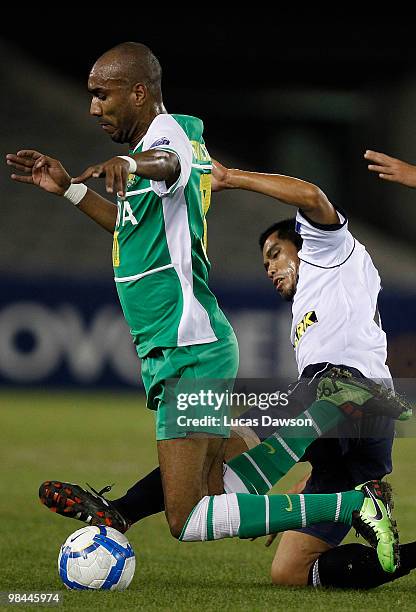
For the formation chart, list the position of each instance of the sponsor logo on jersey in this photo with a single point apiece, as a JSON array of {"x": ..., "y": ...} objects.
[
  {"x": 308, "y": 319},
  {"x": 159, "y": 142},
  {"x": 131, "y": 180}
]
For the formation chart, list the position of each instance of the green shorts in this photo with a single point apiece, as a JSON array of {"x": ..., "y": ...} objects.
[{"x": 187, "y": 386}]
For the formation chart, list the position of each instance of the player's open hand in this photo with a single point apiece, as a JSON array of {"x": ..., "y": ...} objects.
[
  {"x": 391, "y": 169},
  {"x": 115, "y": 171},
  {"x": 219, "y": 176},
  {"x": 40, "y": 170}
]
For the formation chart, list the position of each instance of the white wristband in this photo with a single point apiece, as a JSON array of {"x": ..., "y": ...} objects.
[
  {"x": 75, "y": 193},
  {"x": 132, "y": 162}
]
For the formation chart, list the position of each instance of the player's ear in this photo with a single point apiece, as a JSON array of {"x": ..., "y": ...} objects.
[{"x": 140, "y": 93}]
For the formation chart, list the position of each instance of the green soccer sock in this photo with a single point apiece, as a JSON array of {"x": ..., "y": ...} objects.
[
  {"x": 247, "y": 516},
  {"x": 262, "y": 466},
  {"x": 264, "y": 514}
]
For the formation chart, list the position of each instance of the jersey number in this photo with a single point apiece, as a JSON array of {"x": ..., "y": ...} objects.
[
  {"x": 116, "y": 251},
  {"x": 205, "y": 189}
]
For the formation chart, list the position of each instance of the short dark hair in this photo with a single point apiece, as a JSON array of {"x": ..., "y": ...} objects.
[
  {"x": 136, "y": 64},
  {"x": 285, "y": 230}
]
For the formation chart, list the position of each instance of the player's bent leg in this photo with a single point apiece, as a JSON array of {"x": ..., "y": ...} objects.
[
  {"x": 185, "y": 464},
  {"x": 294, "y": 557},
  {"x": 214, "y": 467},
  {"x": 241, "y": 440}
]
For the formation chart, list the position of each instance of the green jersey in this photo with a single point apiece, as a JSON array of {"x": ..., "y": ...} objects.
[{"x": 159, "y": 248}]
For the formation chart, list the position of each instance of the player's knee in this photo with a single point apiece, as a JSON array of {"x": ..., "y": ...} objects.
[
  {"x": 176, "y": 527},
  {"x": 176, "y": 524}
]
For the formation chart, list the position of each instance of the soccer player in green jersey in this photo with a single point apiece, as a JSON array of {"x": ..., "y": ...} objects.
[{"x": 161, "y": 272}]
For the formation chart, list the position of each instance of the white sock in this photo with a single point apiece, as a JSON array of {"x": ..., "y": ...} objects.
[
  {"x": 316, "y": 581},
  {"x": 233, "y": 482},
  {"x": 213, "y": 518}
]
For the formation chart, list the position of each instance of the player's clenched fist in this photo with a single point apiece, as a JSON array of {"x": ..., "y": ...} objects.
[
  {"x": 219, "y": 176},
  {"x": 40, "y": 170},
  {"x": 391, "y": 169},
  {"x": 115, "y": 171}
]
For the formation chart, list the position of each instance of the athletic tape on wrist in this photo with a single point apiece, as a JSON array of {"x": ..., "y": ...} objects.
[
  {"x": 75, "y": 193},
  {"x": 132, "y": 162}
]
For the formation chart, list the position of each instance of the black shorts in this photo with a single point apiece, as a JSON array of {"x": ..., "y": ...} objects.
[{"x": 340, "y": 463}]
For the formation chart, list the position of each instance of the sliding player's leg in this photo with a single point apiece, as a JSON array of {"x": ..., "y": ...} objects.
[
  {"x": 339, "y": 396},
  {"x": 298, "y": 550},
  {"x": 295, "y": 554},
  {"x": 354, "y": 566},
  {"x": 337, "y": 465}
]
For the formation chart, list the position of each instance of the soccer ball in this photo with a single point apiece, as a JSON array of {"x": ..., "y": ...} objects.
[{"x": 97, "y": 558}]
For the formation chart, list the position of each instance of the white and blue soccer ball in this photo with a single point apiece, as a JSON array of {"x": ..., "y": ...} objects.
[{"x": 97, "y": 558}]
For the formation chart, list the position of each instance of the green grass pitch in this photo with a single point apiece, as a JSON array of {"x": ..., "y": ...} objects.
[{"x": 106, "y": 438}]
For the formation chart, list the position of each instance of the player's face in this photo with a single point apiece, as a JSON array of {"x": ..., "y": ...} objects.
[
  {"x": 281, "y": 262},
  {"x": 112, "y": 104}
]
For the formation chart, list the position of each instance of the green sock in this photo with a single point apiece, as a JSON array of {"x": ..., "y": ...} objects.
[
  {"x": 247, "y": 516},
  {"x": 264, "y": 514},
  {"x": 262, "y": 466}
]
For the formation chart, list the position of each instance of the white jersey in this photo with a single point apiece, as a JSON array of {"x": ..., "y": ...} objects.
[{"x": 335, "y": 317}]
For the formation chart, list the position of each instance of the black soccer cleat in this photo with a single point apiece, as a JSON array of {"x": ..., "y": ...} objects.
[
  {"x": 73, "y": 501},
  {"x": 358, "y": 397}
]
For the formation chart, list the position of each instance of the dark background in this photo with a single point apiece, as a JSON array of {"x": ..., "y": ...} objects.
[{"x": 254, "y": 77}]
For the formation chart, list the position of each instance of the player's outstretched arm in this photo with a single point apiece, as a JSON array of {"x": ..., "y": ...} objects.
[
  {"x": 306, "y": 196},
  {"x": 391, "y": 169},
  {"x": 154, "y": 164},
  {"x": 39, "y": 170},
  {"x": 47, "y": 173}
]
